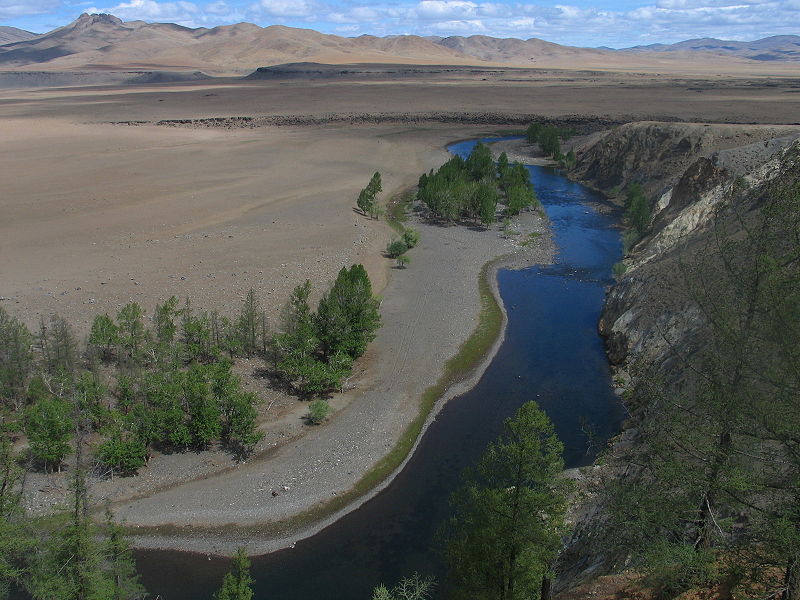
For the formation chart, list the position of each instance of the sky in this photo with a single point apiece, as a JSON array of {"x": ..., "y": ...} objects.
[{"x": 590, "y": 23}]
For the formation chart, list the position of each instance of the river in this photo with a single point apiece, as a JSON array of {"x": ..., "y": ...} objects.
[{"x": 552, "y": 353}]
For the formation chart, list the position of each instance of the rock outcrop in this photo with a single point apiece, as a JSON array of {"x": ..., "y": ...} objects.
[{"x": 705, "y": 190}]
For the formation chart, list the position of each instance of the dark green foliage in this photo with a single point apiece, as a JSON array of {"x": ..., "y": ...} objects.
[
  {"x": 90, "y": 398},
  {"x": 48, "y": 425},
  {"x": 471, "y": 189},
  {"x": 532, "y": 132},
  {"x": 314, "y": 352},
  {"x": 297, "y": 346},
  {"x": 410, "y": 237},
  {"x": 164, "y": 321},
  {"x": 120, "y": 565},
  {"x": 638, "y": 210},
  {"x": 122, "y": 451},
  {"x": 486, "y": 199},
  {"x": 395, "y": 248},
  {"x": 238, "y": 584},
  {"x": 365, "y": 202},
  {"x": 196, "y": 335},
  {"x": 16, "y": 539},
  {"x": 509, "y": 515},
  {"x": 104, "y": 335},
  {"x": 204, "y": 415},
  {"x": 502, "y": 165},
  {"x": 238, "y": 409},
  {"x": 74, "y": 564},
  {"x": 132, "y": 333},
  {"x": 366, "y": 197},
  {"x": 549, "y": 142},
  {"x": 16, "y": 359},
  {"x": 347, "y": 317},
  {"x": 479, "y": 163},
  {"x": 548, "y": 137},
  {"x": 249, "y": 325}
]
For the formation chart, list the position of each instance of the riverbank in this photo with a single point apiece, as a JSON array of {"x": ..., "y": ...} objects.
[{"x": 429, "y": 310}]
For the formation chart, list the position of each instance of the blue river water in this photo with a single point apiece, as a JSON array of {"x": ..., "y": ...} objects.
[{"x": 552, "y": 353}]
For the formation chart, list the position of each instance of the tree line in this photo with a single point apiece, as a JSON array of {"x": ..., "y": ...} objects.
[
  {"x": 70, "y": 557},
  {"x": 168, "y": 382},
  {"x": 472, "y": 189},
  {"x": 549, "y": 139}
]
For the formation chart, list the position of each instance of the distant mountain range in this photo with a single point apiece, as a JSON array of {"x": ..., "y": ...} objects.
[
  {"x": 103, "y": 42},
  {"x": 775, "y": 48}
]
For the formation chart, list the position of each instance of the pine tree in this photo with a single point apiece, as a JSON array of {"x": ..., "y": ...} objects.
[
  {"x": 48, "y": 425},
  {"x": 16, "y": 358},
  {"x": 509, "y": 515},
  {"x": 120, "y": 566},
  {"x": 238, "y": 583},
  {"x": 16, "y": 539},
  {"x": 348, "y": 317},
  {"x": 248, "y": 324}
]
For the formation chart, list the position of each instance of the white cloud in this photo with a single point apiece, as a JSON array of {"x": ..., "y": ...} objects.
[
  {"x": 288, "y": 8},
  {"x": 10, "y": 9},
  {"x": 576, "y": 22},
  {"x": 181, "y": 12}
]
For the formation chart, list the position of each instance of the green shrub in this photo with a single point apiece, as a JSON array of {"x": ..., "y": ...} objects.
[
  {"x": 318, "y": 411},
  {"x": 410, "y": 237},
  {"x": 396, "y": 248}
]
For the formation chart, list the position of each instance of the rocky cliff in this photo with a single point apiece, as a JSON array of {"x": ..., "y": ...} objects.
[
  {"x": 694, "y": 175},
  {"x": 705, "y": 190}
]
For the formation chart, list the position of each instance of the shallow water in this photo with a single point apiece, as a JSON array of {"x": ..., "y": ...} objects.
[{"x": 552, "y": 354}]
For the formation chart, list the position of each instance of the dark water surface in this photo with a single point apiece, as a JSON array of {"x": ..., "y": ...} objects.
[{"x": 552, "y": 354}]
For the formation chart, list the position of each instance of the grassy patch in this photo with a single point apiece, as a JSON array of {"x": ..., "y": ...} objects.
[
  {"x": 456, "y": 369},
  {"x": 533, "y": 236},
  {"x": 397, "y": 210}
]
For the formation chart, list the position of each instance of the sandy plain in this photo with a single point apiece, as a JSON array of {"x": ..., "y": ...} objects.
[{"x": 95, "y": 215}]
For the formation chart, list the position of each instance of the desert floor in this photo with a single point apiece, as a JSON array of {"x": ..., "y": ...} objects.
[{"x": 94, "y": 215}]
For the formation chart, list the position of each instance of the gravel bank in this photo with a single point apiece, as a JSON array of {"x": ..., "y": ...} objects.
[{"x": 429, "y": 309}]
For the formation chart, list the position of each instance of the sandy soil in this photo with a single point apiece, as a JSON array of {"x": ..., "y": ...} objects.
[{"x": 96, "y": 215}]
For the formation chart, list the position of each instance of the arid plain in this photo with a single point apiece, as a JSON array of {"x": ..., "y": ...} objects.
[{"x": 97, "y": 212}]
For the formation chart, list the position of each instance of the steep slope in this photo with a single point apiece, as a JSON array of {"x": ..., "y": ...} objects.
[
  {"x": 10, "y": 35},
  {"x": 681, "y": 276}
]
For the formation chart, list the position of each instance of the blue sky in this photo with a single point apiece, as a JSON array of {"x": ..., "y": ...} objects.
[{"x": 577, "y": 22}]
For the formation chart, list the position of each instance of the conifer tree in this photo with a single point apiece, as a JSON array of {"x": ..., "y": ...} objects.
[
  {"x": 509, "y": 515},
  {"x": 238, "y": 583}
]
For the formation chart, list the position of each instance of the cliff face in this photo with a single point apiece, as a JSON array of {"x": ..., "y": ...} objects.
[
  {"x": 657, "y": 155},
  {"x": 694, "y": 176},
  {"x": 703, "y": 195}
]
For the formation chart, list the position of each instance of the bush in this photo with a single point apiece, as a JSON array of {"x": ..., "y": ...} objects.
[
  {"x": 402, "y": 261},
  {"x": 122, "y": 452},
  {"x": 396, "y": 248},
  {"x": 619, "y": 269},
  {"x": 410, "y": 237},
  {"x": 318, "y": 411}
]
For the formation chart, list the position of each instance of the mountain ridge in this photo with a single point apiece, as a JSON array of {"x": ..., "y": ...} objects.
[{"x": 103, "y": 41}]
